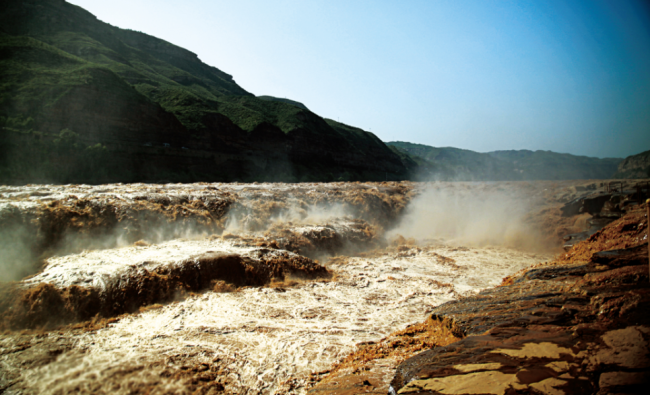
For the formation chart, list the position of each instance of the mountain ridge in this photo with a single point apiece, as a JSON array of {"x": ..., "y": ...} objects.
[
  {"x": 161, "y": 112},
  {"x": 462, "y": 164},
  {"x": 84, "y": 101}
]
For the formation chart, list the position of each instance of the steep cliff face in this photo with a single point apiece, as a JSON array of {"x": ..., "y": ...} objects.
[
  {"x": 635, "y": 166},
  {"x": 160, "y": 112}
]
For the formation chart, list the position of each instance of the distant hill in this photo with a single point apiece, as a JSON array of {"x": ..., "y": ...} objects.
[
  {"x": 635, "y": 166},
  {"x": 84, "y": 101},
  {"x": 457, "y": 164},
  {"x": 548, "y": 165}
]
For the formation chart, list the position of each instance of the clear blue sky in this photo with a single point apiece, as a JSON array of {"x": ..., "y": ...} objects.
[{"x": 567, "y": 76}]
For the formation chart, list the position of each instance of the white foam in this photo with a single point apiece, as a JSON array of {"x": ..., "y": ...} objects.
[
  {"x": 264, "y": 337},
  {"x": 95, "y": 268}
]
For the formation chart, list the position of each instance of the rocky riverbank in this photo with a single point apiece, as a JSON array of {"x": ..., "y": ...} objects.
[{"x": 576, "y": 325}]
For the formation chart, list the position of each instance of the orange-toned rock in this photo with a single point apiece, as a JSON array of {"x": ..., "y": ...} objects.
[{"x": 564, "y": 329}]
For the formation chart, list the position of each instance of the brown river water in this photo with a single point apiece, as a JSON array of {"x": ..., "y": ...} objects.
[{"x": 392, "y": 252}]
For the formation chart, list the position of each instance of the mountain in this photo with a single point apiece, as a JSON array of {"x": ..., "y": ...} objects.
[
  {"x": 449, "y": 163},
  {"x": 548, "y": 165},
  {"x": 635, "y": 166},
  {"x": 84, "y": 101},
  {"x": 456, "y": 164},
  {"x": 288, "y": 101}
]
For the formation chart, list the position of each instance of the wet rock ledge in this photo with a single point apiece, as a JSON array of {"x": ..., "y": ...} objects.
[{"x": 574, "y": 329}]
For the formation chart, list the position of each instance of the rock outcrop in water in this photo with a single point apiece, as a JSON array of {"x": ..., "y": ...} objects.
[{"x": 79, "y": 288}]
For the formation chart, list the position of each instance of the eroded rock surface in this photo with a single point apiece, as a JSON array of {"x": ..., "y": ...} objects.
[{"x": 579, "y": 328}]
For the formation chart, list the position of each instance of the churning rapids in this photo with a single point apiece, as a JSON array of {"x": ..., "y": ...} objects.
[{"x": 243, "y": 288}]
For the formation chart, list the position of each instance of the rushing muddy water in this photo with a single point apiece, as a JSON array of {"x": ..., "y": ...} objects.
[
  {"x": 268, "y": 340},
  {"x": 246, "y": 308}
]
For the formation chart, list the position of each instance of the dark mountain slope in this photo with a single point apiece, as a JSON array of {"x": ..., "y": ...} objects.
[
  {"x": 449, "y": 163},
  {"x": 156, "y": 108}
]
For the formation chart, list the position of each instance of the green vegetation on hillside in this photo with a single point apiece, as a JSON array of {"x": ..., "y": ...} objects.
[
  {"x": 288, "y": 101},
  {"x": 145, "y": 100},
  {"x": 166, "y": 74}
]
